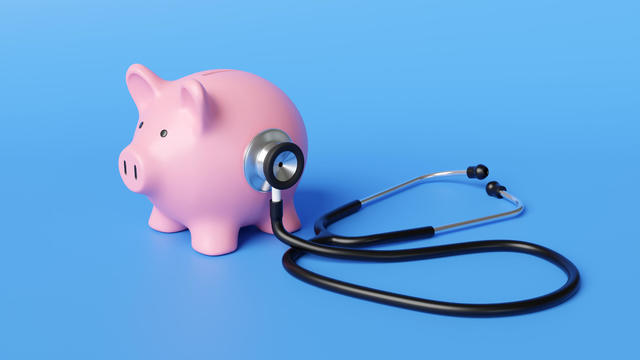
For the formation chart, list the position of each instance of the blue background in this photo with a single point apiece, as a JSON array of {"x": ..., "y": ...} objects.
[{"x": 544, "y": 92}]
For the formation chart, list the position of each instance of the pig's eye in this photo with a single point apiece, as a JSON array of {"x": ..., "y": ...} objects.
[
  {"x": 141, "y": 123},
  {"x": 163, "y": 133}
]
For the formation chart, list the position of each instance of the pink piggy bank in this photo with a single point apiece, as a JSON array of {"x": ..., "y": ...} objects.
[{"x": 188, "y": 149}]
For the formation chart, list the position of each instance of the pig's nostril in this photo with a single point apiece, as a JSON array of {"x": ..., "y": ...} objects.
[
  {"x": 135, "y": 172},
  {"x": 125, "y": 167}
]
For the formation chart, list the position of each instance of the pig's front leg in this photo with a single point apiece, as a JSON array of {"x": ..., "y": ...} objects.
[
  {"x": 290, "y": 218},
  {"x": 214, "y": 237},
  {"x": 161, "y": 222}
]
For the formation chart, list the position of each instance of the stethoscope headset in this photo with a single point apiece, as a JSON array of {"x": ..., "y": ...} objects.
[{"x": 273, "y": 162}]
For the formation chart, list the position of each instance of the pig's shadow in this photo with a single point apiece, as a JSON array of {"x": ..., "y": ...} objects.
[{"x": 310, "y": 204}]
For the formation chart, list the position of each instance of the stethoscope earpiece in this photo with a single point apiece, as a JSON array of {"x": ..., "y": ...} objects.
[
  {"x": 494, "y": 188},
  {"x": 477, "y": 172}
]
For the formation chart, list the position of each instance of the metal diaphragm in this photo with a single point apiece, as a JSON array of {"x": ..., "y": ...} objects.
[
  {"x": 283, "y": 165},
  {"x": 256, "y": 153}
]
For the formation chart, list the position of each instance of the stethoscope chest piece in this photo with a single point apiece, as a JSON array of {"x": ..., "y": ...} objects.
[{"x": 262, "y": 165}]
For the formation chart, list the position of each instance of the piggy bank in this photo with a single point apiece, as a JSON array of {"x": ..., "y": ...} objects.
[{"x": 188, "y": 149}]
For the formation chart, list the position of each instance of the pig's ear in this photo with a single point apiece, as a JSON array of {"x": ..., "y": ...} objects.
[
  {"x": 143, "y": 84},
  {"x": 194, "y": 99}
]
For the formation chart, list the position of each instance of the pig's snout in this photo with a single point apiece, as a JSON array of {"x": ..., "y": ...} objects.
[{"x": 131, "y": 170}]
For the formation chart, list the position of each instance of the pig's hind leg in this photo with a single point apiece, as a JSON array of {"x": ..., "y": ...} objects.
[
  {"x": 161, "y": 222},
  {"x": 290, "y": 218},
  {"x": 214, "y": 237}
]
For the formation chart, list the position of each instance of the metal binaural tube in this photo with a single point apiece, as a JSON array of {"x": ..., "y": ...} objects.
[
  {"x": 485, "y": 219},
  {"x": 457, "y": 225},
  {"x": 405, "y": 184}
]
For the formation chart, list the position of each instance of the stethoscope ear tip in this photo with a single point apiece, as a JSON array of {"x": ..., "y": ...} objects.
[
  {"x": 477, "y": 172},
  {"x": 494, "y": 188},
  {"x": 481, "y": 172}
]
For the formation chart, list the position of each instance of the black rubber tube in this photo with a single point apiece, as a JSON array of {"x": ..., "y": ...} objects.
[{"x": 301, "y": 246}]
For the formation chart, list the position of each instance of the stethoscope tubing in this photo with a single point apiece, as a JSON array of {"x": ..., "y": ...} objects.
[
  {"x": 331, "y": 245},
  {"x": 291, "y": 257}
]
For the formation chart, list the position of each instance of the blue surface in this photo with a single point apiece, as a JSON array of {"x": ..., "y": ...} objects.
[{"x": 544, "y": 92}]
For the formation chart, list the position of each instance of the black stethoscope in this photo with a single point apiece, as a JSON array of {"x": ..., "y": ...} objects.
[{"x": 279, "y": 163}]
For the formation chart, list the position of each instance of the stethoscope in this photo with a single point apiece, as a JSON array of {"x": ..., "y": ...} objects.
[{"x": 277, "y": 162}]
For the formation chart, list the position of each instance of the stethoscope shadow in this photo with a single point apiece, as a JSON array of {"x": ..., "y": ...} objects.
[
  {"x": 311, "y": 203},
  {"x": 323, "y": 204}
]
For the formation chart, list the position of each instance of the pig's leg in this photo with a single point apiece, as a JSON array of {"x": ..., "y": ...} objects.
[
  {"x": 290, "y": 218},
  {"x": 214, "y": 237},
  {"x": 161, "y": 222}
]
